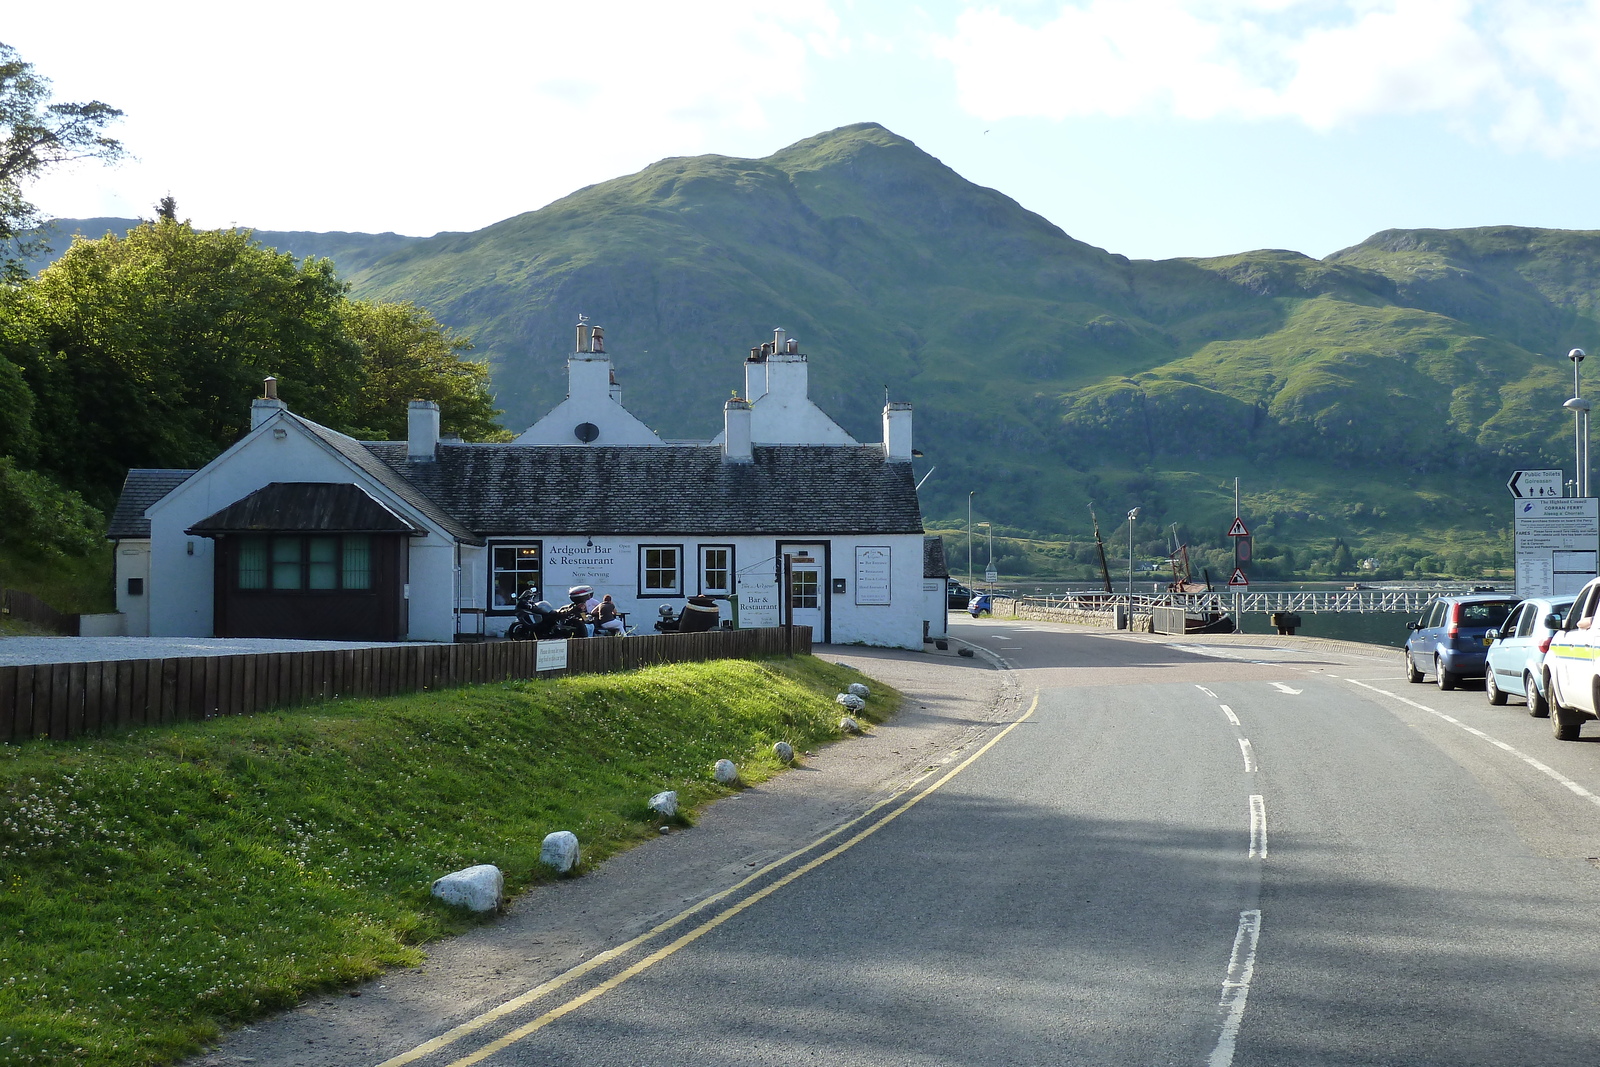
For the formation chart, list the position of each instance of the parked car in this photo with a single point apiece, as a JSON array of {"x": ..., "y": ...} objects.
[
  {"x": 1514, "y": 665},
  {"x": 1569, "y": 666},
  {"x": 958, "y": 596},
  {"x": 1447, "y": 640}
]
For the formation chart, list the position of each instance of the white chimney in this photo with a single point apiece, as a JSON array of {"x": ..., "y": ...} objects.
[
  {"x": 786, "y": 375},
  {"x": 755, "y": 376},
  {"x": 422, "y": 431},
  {"x": 897, "y": 431},
  {"x": 736, "y": 431},
  {"x": 267, "y": 405}
]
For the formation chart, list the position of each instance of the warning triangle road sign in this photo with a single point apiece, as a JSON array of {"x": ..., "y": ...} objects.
[
  {"x": 1238, "y": 578},
  {"x": 1237, "y": 529}
]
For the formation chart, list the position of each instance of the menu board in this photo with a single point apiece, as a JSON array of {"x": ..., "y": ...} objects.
[{"x": 872, "y": 575}]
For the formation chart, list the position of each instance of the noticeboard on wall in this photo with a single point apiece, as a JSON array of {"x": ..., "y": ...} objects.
[{"x": 872, "y": 574}]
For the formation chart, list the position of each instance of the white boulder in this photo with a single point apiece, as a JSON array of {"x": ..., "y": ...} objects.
[
  {"x": 560, "y": 850},
  {"x": 859, "y": 690},
  {"x": 850, "y": 700},
  {"x": 784, "y": 751},
  {"x": 849, "y": 725},
  {"x": 665, "y": 803},
  {"x": 726, "y": 772},
  {"x": 478, "y": 888}
]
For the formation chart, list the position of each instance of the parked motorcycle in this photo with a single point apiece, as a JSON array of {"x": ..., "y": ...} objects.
[
  {"x": 540, "y": 620},
  {"x": 668, "y": 622}
]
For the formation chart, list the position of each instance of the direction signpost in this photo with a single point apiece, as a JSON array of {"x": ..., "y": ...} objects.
[{"x": 1535, "y": 485}]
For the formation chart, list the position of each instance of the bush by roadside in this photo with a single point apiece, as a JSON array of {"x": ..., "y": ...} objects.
[{"x": 163, "y": 884}]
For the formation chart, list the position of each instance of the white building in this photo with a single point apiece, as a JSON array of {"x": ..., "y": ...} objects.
[{"x": 297, "y": 530}]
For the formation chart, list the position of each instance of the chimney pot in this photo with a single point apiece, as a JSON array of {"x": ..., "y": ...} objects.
[{"x": 264, "y": 407}]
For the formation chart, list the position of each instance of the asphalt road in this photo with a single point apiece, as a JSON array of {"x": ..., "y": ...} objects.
[{"x": 1152, "y": 851}]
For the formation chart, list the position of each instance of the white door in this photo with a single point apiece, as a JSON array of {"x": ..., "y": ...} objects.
[{"x": 806, "y": 603}]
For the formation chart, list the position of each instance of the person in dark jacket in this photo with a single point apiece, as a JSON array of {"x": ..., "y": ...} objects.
[
  {"x": 606, "y": 619},
  {"x": 699, "y": 614}
]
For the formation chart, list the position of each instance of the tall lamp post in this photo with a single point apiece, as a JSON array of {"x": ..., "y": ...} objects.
[
  {"x": 989, "y": 529},
  {"x": 1580, "y": 408},
  {"x": 1134, "y": 514},
  {"x": 969, "y": 539}
]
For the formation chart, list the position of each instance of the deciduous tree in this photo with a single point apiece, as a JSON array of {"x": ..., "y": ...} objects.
[
  {"x": 407, "y": 355},
  {"x": 36, "y": 135}
]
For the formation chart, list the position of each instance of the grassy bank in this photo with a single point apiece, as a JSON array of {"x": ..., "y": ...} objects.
[{"x": 160, "y": 885}]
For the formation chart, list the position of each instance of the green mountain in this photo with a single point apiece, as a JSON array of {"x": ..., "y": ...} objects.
[{"x": 1380, "y": 396}]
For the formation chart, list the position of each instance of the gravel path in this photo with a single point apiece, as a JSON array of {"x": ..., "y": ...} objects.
[{"x": 17, "y": 651}]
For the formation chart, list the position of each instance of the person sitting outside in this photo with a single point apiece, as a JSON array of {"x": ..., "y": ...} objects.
[
  {"x": 606, "y": 618},
  {"x": 584, "y": 606},
  {"x": 699, "y": 615}
]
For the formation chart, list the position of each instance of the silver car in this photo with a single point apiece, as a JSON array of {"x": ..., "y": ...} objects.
[{"x": 1516, "y": 653}]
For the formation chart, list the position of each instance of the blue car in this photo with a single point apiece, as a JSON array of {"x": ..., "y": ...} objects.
[
  {"x": 1447, "y": 640},
  {"x": 1515, "y": 663}
]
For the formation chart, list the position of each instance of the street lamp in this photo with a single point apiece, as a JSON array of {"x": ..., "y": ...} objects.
[
  {"x": 1580, "y": 409},
  {"x": 969, "y": 538},
  {"x": 1134, "y": 514},
  {"x": 990, "y": 567}
]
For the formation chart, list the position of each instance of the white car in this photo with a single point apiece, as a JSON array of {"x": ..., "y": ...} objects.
[{"x": 1569, "y": 667}]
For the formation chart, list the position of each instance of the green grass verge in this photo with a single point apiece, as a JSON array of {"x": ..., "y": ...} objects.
[{"x": 160, "y": 885}]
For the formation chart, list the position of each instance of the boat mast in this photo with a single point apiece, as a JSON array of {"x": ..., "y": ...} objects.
[{"x": 1105, "y": 572}]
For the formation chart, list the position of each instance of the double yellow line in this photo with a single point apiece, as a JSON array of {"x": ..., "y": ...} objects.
[{"x": 544, "y": 989}]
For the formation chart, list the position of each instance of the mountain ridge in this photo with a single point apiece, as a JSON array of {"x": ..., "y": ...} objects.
[{"x": 1406, "y": 367}]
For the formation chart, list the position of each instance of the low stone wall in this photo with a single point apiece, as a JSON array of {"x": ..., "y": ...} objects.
[{"x": 1112, "y": 619}]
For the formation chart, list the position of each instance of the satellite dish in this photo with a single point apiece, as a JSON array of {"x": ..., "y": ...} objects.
[{"x": 586, "y": 431}]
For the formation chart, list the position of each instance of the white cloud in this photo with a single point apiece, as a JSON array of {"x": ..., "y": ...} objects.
[
  {"x": 1522, "y": 73},
  {"x": 371, "y": 115}
]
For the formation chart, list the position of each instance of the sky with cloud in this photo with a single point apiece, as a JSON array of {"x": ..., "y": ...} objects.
[{"x": 1152, "y": 128}]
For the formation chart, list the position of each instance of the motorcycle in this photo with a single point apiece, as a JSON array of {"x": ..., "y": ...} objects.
[
  {"x": 668, "y": 622},
  {"x": 540, "y": 620}
]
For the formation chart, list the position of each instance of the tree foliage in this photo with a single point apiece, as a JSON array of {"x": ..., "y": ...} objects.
[
  {"x": 36, "y": 135},
  {"x": 146, "y": 348},
  {"x": 407, "y": 355},
  {"x": 144, "y": 351}
]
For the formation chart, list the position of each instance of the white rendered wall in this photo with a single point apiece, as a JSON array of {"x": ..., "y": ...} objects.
[
  {"x": 611, "y": 565},
  {"x": 936, "y": 606},
  {"x": 589, "y": 399},
  {"x": 433, "y": 589},
  {"x": 133, "y": 561},
  {"x": 180, "y": 590}
]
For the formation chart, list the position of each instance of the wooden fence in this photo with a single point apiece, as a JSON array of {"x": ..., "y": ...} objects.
[
  {"x": 66, "y": 700},
  {"x": 26, "y": 607}
]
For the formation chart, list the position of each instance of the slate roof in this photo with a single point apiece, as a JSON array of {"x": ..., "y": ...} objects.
[
  {"x": 794, "y": 489},
  {"x": 933, "y": 562},
  {"x": 305, "y": 507},
  {"x": 362, "y": 456},
  {"x": 141, "y": 488}
]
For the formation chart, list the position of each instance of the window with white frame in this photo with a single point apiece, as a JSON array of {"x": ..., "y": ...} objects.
[
  {"x": 514, "y": 568},
  {"x": 660, "y": 570},
  {"x": 716, "y": 570}
]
